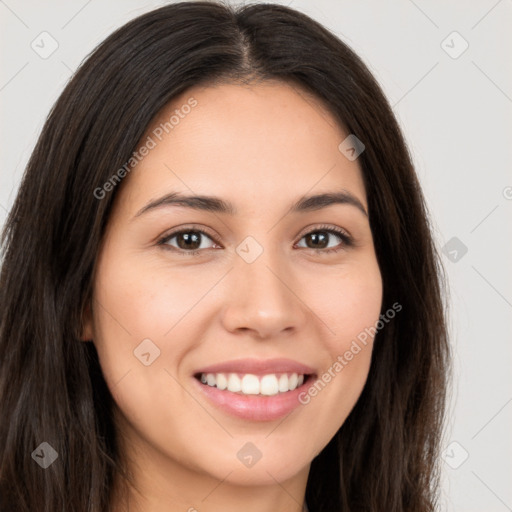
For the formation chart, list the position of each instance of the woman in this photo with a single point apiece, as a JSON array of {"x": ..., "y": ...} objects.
[{"x": 296, "y": 361}]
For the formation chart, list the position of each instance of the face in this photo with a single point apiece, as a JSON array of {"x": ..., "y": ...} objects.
[{"x": 263, "y": 303}]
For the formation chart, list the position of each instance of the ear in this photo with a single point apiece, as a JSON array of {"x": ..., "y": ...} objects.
[{"x": 87, "y": 324}]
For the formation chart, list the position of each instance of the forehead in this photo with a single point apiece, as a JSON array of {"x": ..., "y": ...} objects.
[{"x": 268, "y": 140}]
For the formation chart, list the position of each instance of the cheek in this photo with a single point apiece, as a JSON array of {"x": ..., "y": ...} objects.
[
  {"x": 142, "y": 307},
  {"x": 357, "y": 309},
  {"x": 348, "y": 302},
  {"x": 134, "y": 304},
  {"x": 141, "y": 298},
  {"x": 350, "y": 307},
  {"x": 354, "y": 318}
]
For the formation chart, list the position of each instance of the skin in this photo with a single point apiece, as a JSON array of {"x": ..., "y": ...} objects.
[{"x": 261, "y": 147}]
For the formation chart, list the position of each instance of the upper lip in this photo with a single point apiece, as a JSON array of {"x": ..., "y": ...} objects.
[{"x": 258, "y": 367}]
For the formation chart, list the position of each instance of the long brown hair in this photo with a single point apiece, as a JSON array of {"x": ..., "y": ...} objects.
[{"x": 384, "y": 457}]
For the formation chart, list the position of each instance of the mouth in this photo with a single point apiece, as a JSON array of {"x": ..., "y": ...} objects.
[{"x": 255, "y": 390}]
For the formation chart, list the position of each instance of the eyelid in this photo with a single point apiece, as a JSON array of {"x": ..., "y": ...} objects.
[
  {"x": 186, "y": 228},
  {"x": 323, "y": 227}
]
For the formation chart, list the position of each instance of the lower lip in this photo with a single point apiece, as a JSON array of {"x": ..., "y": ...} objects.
[{"x": 254, "y": 407}]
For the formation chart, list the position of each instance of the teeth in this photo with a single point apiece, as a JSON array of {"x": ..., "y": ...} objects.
[
  {"x": 234, "y": 383},
  {"x": 221, "y": 381},
  {"x": 250, "y": 384},
  {"x": 268, "y": 385},
  {"x": 283, "y": 383}
]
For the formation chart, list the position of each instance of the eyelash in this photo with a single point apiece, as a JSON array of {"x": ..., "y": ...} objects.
[{"x": 347, "y": 241}]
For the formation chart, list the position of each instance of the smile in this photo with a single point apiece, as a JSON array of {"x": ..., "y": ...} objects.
[{"x": 257, "y": 390}]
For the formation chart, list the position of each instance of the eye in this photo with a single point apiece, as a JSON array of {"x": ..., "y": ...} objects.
[
  {"x": 322, "y": 236},
  {"x": 188, "y": 241}
]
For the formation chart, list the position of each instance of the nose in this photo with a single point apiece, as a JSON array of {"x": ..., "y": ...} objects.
[{"x": 263, "y": 298}]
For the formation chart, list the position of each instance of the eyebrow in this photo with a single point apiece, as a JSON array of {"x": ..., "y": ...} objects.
[{"x": 218, "y": 205}]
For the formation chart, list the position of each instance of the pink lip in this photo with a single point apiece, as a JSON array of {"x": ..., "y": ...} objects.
[
  {"x": 255, "y": 407},
  {"x": 258, "y": 367}
]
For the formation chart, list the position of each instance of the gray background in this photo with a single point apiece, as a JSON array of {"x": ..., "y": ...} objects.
[{"x": 455, "y": 109}]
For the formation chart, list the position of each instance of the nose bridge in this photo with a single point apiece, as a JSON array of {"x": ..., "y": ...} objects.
[{"x": 262, "y": 297}]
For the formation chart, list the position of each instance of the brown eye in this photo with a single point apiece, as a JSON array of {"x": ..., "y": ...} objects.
[
  {"x": 320, "y": 240},
  {"x": 188, "y": 240}
]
